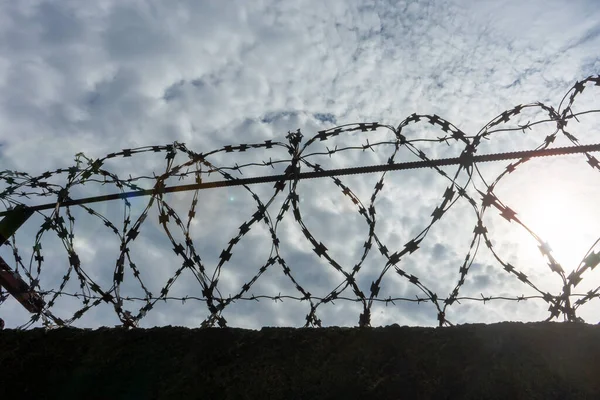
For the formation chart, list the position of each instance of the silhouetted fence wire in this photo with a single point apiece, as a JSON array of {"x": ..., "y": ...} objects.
[{"x": 467, "y": 164}]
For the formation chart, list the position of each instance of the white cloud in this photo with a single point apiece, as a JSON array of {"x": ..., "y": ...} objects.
[{"x": 102, "y": 77}]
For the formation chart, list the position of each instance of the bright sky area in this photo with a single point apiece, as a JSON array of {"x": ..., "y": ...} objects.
[{"x": 98, "y": 77}]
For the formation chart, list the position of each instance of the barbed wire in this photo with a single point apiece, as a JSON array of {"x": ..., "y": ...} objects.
[{"x": 21, "y": 184}]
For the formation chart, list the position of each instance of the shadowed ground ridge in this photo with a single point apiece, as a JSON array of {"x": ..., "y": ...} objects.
[{"x": 475, "y": 361}]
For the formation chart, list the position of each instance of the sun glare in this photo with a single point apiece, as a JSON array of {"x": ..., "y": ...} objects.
[{"x": 563, "y": 218}]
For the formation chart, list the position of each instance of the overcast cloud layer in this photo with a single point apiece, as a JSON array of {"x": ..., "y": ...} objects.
[{"x": 98, "y": 77}]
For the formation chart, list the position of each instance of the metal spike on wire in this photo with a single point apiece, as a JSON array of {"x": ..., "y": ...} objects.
[{"x": 34, "y": 299}]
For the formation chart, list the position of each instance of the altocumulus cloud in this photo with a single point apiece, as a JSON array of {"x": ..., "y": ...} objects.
[{"x": 102, "y": 76}]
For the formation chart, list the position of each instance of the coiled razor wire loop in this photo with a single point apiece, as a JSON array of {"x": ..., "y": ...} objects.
[{"x": 93, "y": 294}]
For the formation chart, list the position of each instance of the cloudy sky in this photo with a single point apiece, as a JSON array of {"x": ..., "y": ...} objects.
[{"x": 99, "y": 77}]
